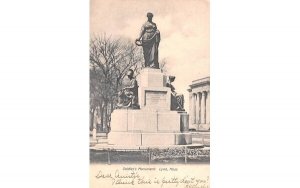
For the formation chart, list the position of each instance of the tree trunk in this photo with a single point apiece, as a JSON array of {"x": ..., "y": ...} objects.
[
  {"x": 101, "y": 115},
  {"x": 111, "y": 110},
  {"x": 92, "y": 119},
  {"x": 106, "y": 115}
]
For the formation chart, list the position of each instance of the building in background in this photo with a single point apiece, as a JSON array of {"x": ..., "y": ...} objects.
[{"x": 199, "y": 104}]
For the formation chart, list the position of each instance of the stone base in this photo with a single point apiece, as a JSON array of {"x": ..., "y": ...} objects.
[
  {"x": 149, "y": 139},
  {"x": 200, "y": 127},
  {"x": 201, "y": 138},
  {"x": 123, "y": 120},
  {"x": 153, "y": 92},
  {"x": 150, "y": 77},
  {"x": 155, "y": 98},
  {"x": 154, "y": 124}
]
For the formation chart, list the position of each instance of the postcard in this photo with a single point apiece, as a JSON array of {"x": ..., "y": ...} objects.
[{"x": 149, "y": 93}]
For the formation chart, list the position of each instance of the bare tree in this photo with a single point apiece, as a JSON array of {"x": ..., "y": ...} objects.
[{"x": 110, "y": 59}]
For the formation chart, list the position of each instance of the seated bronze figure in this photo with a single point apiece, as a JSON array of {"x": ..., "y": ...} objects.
[
  {"x": 128, "y": 95},
  {"x": 177, "y": 100}
]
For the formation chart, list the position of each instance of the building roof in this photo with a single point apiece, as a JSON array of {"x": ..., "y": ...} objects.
[{"x": 199, "y": 82}]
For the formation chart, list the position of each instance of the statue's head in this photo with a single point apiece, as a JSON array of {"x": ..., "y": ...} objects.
[
  {"x": 172, "y": 78},
  {"x": 130, "y": 73},
  {"x": 149, "y": 15}
]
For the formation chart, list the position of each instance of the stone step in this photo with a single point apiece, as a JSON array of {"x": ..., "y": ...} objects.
[
  {"x": 101, "y": 134},
  {"x": 140, "y": 139},
  {"x": 102, "y": 141}
]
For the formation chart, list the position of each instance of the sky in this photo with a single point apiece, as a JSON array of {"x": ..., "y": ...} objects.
[{"x": 184, "y": 28}]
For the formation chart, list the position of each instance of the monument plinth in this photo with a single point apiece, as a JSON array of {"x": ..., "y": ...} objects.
[{"x": 154, "y": 123}]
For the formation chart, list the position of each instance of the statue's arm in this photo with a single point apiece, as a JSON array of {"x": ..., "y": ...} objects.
[
  {"x": 141, "y": 33},
  {"x": 132, "y": 85},
  {"x": 155, "y": 26}
]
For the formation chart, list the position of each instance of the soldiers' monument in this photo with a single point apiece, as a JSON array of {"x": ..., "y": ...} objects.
[{"x": 150, "y": 112}]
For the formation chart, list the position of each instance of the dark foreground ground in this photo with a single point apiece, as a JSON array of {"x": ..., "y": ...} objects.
[{"x": 157, "y": 157}]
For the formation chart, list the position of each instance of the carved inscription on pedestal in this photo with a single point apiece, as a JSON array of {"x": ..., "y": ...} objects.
[{"x": 156, "y": 98}]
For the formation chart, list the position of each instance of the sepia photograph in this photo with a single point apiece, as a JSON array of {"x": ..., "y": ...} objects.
[
  {"x": 149, "y": 92},
  {"x": 117, "y": 94}
]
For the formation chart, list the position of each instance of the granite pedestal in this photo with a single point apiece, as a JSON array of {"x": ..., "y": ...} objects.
[{"x": 154, "y": 123}]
